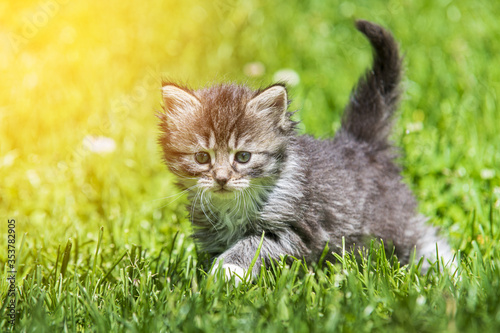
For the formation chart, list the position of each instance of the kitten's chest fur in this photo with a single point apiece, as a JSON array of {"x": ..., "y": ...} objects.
[{"x": 220, "y": 223}]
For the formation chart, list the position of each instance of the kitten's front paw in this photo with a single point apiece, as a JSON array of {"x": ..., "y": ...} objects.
[{"x": 230, "y": 270}]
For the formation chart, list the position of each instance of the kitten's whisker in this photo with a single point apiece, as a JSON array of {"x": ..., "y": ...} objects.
[
  {"x": 266, "y": 187},
  {"x": 181, "y": 176},
  {"x": 199, "y": 195},
  {"x": 175, "y": 195},
  {"x": 168, "y": 203},
  {"x": 194, "y": 204},
  {"x": 209, "y": 203},
  {"x": 252, "y": 197},
  {"x": 260, "y": 185},
  {"x": 204, "y": 212},
  {"x": 237, "y": 199}
]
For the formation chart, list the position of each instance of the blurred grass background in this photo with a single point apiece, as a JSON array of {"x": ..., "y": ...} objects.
[{"x": 73, "y": 70}]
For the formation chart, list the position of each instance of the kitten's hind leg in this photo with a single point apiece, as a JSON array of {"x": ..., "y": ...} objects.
[{"x": 430, "y": 245}]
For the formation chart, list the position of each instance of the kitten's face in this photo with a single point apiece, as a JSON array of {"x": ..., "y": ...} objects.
[{"x": 225, "y": 139}]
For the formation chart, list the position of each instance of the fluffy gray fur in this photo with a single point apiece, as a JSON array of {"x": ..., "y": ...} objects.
[{"x": 302, "y": 192}]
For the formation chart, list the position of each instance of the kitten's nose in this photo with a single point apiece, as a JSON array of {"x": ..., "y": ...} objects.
[
  {"x": 221, "y": 176},
  {"x": 222, "y": 180}
]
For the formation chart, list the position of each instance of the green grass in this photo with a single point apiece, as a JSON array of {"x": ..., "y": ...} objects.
[{"x": 102, "y": 240}]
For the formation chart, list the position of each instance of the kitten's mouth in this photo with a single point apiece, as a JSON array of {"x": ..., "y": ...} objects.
[{"x": 223, "y": 191}]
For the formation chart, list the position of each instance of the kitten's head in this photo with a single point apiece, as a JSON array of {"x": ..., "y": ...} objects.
[{"x": 227, "y": 138}]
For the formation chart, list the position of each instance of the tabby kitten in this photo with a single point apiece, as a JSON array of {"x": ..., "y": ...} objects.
[{"x": 237, "y": 153}]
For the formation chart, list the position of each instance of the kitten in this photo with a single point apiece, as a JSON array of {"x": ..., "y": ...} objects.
[{"x": 237, "y": 153}]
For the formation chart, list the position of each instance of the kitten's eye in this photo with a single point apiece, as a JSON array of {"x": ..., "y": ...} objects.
[
  {"x": 242, "y": 156},
  {"x": 202, "y": 157}
]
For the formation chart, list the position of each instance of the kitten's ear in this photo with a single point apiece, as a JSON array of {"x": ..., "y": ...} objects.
[
  {"x": 178, "y": 101},
  {"x": 271, "y": 103}
]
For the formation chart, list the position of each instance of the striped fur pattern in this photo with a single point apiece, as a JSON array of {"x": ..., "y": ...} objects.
[{"x": 302, "y": 192}]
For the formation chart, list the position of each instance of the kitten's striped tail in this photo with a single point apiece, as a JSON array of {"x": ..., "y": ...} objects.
[{"x": 368, "y": 116}]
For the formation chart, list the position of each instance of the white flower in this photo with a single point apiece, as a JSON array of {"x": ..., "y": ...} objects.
[
  {"x": 99, "y": 144},
  {"x": 254, "y": 69},
  {"x": 287, "y": 75},
  {"x": 414, "y": 127},
  {"x": 487, "y": 173}
]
